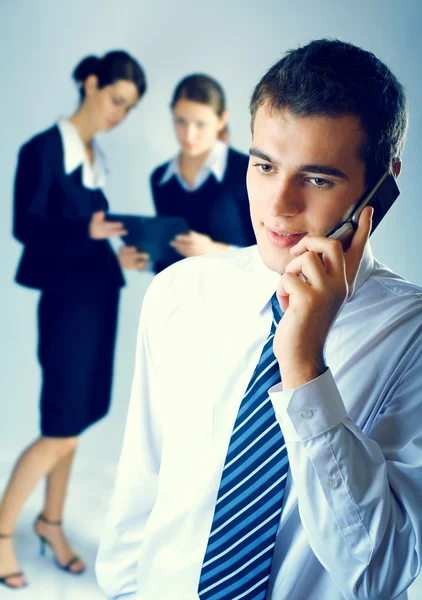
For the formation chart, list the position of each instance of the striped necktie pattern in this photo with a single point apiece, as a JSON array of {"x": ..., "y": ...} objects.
[{"x": 240, "y": 548}]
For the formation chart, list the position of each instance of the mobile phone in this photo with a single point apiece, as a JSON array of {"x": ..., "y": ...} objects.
[{"x": 381, "y": 197}]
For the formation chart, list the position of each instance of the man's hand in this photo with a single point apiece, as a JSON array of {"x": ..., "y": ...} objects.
[
  {"x": 100, "y": 229},
  {"x": 194, "y": 244},
  {"x": 312, "y": 304},
  {"x": 130, "y": 258}
]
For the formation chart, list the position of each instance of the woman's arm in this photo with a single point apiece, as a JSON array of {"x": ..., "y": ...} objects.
[{"x": 32, "y": 223}]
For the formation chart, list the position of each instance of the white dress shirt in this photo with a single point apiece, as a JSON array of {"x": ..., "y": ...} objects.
[
  {"x": 351, "y": 521},
  {"x": 215, "y": 164},
  {"x": 75, "y": 155}
]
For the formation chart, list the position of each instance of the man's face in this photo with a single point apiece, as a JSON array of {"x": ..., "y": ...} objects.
[{"x": 304, "y": 176}]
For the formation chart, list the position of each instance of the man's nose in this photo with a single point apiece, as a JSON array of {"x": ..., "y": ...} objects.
[{"x": 286, "y": 200}]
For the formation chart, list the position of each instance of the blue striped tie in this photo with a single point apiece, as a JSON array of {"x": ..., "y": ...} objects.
[{"x": 238, "y": 557}]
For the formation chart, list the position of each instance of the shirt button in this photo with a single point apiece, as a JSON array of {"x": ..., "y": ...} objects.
[
  {"x": 307, "y": 413},
  {"x": 331, "y": 482}
]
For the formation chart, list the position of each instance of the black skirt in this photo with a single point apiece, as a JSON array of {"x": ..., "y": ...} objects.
[{"x": 77, "y": 335}]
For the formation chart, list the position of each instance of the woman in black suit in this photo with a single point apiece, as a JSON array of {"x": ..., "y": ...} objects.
[
  {"x": 59, "y": 217},
  {"x": 206, "y": 181}
]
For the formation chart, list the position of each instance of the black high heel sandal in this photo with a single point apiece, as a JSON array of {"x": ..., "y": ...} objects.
[
  {"x": 44, "y": 542},
  {"x": 3, "y": 580}
]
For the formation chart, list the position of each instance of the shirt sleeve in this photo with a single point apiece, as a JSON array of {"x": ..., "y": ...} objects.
[
  {"x": 359, "y": 496},
  {"x": 33, "y": 223},
  {"x": 136, "y": 484}
]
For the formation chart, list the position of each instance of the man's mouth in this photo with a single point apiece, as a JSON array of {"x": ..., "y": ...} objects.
[{"x": 282, "y": 238}]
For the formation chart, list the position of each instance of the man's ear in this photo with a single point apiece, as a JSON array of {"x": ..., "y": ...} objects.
[
  {"x": 396, "y": 167},
  {"x": 90, "y": 85}
]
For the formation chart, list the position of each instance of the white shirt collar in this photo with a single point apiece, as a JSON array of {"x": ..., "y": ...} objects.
[
  {"x": 74, "y": 155},
  {"x": 214, "y": 164}
]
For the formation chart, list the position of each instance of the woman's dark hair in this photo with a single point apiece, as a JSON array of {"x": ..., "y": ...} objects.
[
  {"x": 112, "y": 67},
  {"x": 334, "y": 78},
  {"x": 205, "y": 90}
]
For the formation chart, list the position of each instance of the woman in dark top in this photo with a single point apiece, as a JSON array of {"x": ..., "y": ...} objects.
[
  {"x": 206, "y": 181},
  {"x": 59, "y": 217}
]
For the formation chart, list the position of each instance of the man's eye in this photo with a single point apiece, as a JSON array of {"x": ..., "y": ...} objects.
[
  {"x": 264, "y": 168},
  {"x": 319, "y": 182}
]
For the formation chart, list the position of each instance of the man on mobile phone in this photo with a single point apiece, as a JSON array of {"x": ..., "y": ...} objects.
[{"x": 273, "y": 443}]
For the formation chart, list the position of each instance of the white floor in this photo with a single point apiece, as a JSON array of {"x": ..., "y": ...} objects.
[{"x": 91, "y": 487}]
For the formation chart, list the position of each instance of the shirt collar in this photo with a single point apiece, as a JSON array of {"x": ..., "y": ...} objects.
[
  {"x": 217, "y": 160},
  {"x": 264, "y": 282},
  {"x": 258, "y": 282},
  {"x": 214, "y": 164},
  {"x": 74, "y": 155},
  {"x": 366, "y": 267}
]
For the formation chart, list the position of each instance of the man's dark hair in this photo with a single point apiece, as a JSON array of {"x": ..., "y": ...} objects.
[{"x": 334, "y": 78}]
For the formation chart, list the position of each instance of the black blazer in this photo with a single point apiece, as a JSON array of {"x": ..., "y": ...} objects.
[
  {"x": 220, "y": 210},
  {"x": 52, "y": 212}
]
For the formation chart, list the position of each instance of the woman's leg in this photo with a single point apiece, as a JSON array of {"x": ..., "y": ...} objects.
[
  {"x": 35, "y": 462},
  {"x": 56, "y": 488}
]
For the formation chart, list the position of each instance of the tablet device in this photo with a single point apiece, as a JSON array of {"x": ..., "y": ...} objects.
[{"x": 151, "y": 234}]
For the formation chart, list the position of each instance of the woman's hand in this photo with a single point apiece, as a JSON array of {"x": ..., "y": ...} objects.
[
  {"x": 194, "y": 244},
  {"x": 100, "y": 229},
  {"x": 130, "y": 258}
]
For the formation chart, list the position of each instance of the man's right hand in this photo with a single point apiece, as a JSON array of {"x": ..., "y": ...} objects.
[{"x": 100, "y": 229}]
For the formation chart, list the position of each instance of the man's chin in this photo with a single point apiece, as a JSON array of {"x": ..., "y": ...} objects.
[{"x": 274, "y": 260}]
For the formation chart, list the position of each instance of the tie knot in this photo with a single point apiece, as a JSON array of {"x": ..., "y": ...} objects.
[{"x": 277, "y": 312}]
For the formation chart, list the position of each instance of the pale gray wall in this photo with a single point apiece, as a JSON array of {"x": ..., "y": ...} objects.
[{"x": 233, "y": 40}]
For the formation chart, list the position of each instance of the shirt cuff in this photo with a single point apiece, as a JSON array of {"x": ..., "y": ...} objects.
[{"x": 309, "y": 410}]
